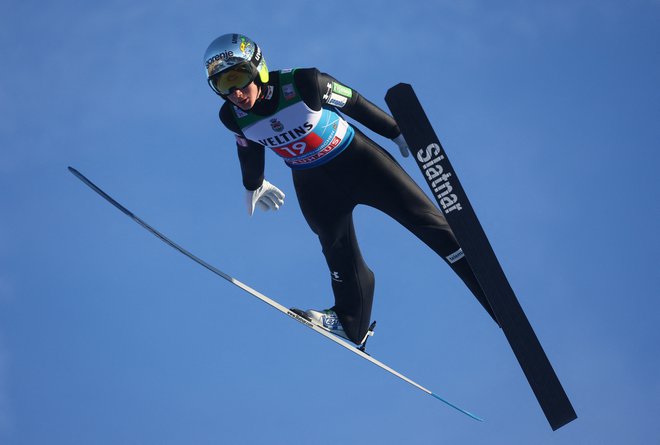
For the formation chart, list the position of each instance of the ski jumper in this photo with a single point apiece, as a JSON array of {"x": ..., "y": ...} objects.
[{"x": 335, "y": 167}]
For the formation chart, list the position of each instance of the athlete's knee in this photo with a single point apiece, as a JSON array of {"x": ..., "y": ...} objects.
[{"x": 337, "y": 242}]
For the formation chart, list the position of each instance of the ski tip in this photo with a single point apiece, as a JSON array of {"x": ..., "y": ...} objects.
[
  {"x": 74, "y": 171},
  {"x": 80, "y": 176},
  {"x": 467, "y": 413}
]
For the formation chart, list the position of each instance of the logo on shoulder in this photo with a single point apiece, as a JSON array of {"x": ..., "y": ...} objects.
[
  {"x": 336, "y": 100},
  {"x": 288, "y": 91},
  {"x": 240, "y": 140},
  {"x": 341, "y": 89}
]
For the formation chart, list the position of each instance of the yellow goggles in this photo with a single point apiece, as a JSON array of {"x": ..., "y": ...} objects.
[{"x": 236, "y": 78}]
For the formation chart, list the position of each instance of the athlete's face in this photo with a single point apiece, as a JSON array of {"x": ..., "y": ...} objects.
[{"x": 245, "y": 97}]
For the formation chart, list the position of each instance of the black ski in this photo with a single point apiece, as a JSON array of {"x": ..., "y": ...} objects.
[{"x": 450, "y": 196}]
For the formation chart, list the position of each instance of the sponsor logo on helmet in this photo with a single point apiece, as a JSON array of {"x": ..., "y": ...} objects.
[
  {"x": 216, "y": 63},
  {"x": 244, "y": 41}
]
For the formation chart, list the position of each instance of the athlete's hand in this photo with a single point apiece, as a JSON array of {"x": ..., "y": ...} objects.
[
  {"x": 267, "y": 197},
  {"x": 403, "y": 146}
]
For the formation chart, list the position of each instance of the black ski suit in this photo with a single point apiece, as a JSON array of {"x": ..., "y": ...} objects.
[{"x": 362, "y": 173}]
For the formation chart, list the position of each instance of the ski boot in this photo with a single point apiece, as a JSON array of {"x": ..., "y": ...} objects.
[{"x": 328, "y": 320}]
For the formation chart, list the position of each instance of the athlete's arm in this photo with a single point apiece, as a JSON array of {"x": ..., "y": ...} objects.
[
  {"x": 320, "y": 89},
  {"x": 250, "y": 154}
]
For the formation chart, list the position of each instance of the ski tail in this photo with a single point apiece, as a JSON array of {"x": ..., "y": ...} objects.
[{"x": 444, "y": 184}]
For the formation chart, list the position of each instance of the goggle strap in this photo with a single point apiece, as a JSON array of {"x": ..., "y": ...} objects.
[{"x": 257, "y": 57}]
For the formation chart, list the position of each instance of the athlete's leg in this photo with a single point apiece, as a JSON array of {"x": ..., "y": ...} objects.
[
  {"x": 390, "y": 189},
  {"x": 328, "y": 211}
]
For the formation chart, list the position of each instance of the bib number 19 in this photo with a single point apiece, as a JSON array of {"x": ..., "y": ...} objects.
[
  {"x": 295, "y": 149},
  {"x": 300, "y": 147}
]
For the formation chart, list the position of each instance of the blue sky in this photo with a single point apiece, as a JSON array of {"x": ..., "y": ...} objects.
[{"x": 549, "y": 112}]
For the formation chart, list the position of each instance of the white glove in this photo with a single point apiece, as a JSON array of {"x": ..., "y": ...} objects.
[
  {"x": 267, "y": 197},
  {"x": 403, "y": 146}
]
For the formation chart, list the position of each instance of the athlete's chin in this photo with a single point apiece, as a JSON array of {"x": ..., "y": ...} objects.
[{"x": 244, "y": 105}]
